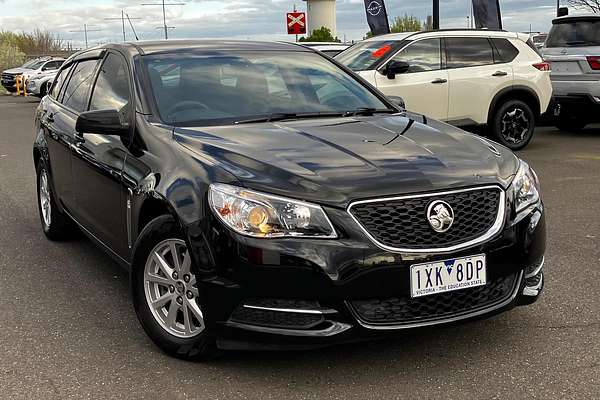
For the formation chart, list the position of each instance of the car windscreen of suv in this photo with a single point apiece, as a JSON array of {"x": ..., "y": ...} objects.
[
  {"x": 215, "y": 89},
  {"x": 574, "y": 33},
  {"x": 363, "y": 56}
]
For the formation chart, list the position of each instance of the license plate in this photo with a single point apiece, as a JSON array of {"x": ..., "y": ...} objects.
[
  {"x": 447, "y": 276},
  {"x": 571, "y": 67}
]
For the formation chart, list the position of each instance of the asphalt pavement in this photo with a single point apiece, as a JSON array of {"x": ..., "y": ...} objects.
[{"x": 68, "y": 328}]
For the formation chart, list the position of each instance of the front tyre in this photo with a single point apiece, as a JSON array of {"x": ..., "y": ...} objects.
[
  {"x": 165, "y": 293},
  {"x": 513, "y": 124},
  {"x": 55, "y": 224}
]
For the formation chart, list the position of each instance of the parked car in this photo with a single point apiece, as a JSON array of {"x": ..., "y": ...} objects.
[
  {"x": 28, "y": 70},
  {"x": 332, "y": 49},
  {"x": 264, "y": 196},
  {"x": 465, "y": 77},
  {"x": 38, "y": 85},
  {"x": 539, "y": 40},
  {"x": 573, "y": 49}
]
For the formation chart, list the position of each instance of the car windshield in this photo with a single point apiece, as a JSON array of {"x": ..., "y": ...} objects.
[
  {"x": 363, "y": 56},
  {"x": 575, "y": 33},
  {"x": 199, "y": 88},
  {"x": 33, "y": 64}
]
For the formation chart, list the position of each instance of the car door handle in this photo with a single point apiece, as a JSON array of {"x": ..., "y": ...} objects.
[
  {"x": 49, "y": 118},
  {"x": 500, "y": 73},
  {"x": 439, "y": 81}
]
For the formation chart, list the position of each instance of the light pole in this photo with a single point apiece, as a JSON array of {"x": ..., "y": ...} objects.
[
  {"x": 122, "y": 19},
  {"x": 436, "y": 15},
  {"x": 164, "y": 5},
  {"x": 85, "y": 32}
]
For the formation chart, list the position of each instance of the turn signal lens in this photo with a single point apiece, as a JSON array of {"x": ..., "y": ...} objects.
[
  {"x": 258, "y": 216},
  {"x": 594, "y": 62}
]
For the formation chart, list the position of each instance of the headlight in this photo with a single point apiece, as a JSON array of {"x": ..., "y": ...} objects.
[
  {"x": 526, "y": 187},
  {"x": 265, "y": 216}
]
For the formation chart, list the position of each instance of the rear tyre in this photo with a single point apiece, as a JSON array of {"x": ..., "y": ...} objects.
[
  {"x": 513, "y": 124},
  {"x": 55, "y": 224},
  {"x": 165, "y": 293}
]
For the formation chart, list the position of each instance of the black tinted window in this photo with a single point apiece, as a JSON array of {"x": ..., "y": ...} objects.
[
  {"x": 422, "y": 56},
  {"x": 59, "y": 81},
  {"x": 468, "y": 52},
  {"x": 505, "y": 51},
  {"x": 575, "y": 34},
  {"x": 76, "y": 92},
  {"x": 112, "y": 87}
]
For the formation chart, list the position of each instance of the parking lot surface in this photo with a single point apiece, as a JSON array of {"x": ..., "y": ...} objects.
[{"x": 68, "y": 328}]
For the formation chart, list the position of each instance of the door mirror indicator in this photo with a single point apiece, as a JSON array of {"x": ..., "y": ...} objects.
[
  {"x": 396, "y": 67},
  {"x": 398, "y": 101},
  {"x": 102, "y": 122}
]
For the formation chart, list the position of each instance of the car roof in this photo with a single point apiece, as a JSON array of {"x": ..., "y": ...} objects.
[
  {"x": 158, "y": 46},
  {"x": 576, "y": 17},
  {"x": 444, "y": 33}
]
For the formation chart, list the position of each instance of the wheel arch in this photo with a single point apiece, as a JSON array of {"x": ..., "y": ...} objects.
[{"x": 523, "y": 93}]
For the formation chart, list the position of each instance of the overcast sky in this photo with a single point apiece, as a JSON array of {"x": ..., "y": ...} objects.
[{"x": 239, "y": 19}]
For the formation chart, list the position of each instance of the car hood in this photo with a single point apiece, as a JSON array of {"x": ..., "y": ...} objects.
[
  {"x": 336, "y": 161},
  {"x": 16, "y": 71}
]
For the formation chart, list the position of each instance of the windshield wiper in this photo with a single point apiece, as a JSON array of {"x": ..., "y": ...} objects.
[
  {"x": 368, "y": 111},
  {"x": 285, "y": 116}
]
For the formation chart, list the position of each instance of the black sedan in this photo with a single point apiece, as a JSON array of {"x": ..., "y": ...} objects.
[{"x": 263, "y": 196}]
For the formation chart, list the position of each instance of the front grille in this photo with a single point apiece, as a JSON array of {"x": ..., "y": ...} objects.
[
  {"x": 407, "y": 310},
  {"x": 402, "y": 223},
  {"x": 278, "y": 319}
]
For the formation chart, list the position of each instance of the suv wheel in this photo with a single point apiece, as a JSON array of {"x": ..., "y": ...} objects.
[
  {"x": 512, "y": 124},
  {"x": 56, "y": 225},
  {"x": 165, "y": 293}
]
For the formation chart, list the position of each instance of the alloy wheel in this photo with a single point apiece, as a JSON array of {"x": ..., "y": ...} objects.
[
  {"x": 170, "y": 289},
  {"x": 45, "y": 204},
  {"x": 515, "y": 125}
]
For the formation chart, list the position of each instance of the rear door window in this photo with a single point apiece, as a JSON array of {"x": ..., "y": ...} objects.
[
  {"x": 575, "y": 33},
  {"x": 504, "y": 51},
  {"x": 77, "y": 90},
  {"x": 468, "y": 52}
]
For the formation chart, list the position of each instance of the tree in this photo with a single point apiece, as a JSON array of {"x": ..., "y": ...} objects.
[
  {"x": 591, "y": 5},
  {"x": 322, "y": 34},
  {"x": 408, "y": 23}
]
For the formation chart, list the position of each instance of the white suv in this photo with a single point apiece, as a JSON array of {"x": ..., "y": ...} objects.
[{"x": 464, "y": 77}]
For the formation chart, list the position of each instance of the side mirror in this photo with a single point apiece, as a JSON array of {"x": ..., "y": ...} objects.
[
  {"x": 102, "y": 122},
  {"x": 396, "y": 67},
  {"x": 398, "y": 101}
]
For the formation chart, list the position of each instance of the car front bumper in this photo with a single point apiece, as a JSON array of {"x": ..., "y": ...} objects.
[{"x": 302, "y": 293}]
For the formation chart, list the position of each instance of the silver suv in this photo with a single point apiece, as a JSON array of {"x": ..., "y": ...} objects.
[{"x": 573, "y": 49}]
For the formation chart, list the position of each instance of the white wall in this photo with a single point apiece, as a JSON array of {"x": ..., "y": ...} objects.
[{"x": 321, "y": 13}]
